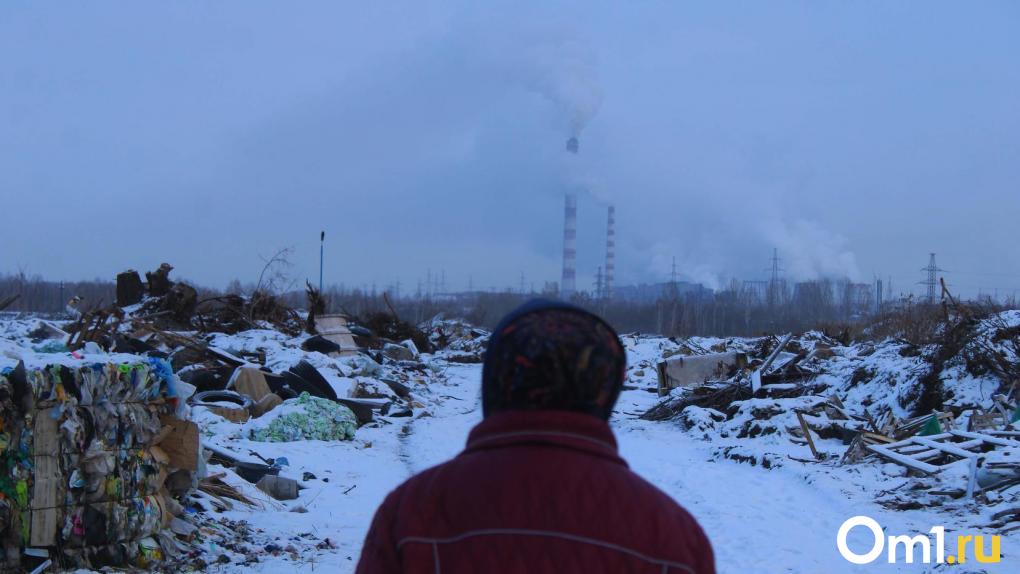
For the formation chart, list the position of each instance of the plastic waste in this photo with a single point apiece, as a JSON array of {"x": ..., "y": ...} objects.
[{"x": 308, "y": 418}]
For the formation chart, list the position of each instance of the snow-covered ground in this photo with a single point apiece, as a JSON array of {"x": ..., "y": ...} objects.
[{"x": 783, "y": 518}]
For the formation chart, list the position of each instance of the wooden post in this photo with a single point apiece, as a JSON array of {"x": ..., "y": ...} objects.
[{"x": 807, "y": 435}]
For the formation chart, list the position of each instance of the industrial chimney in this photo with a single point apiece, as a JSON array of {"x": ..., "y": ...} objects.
[
  {"x": 569, "y": 247},
  {"x": 607, "y": 286}
]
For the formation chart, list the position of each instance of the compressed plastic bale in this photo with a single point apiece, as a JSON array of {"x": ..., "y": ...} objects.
[{"x": 309, "y": 418}]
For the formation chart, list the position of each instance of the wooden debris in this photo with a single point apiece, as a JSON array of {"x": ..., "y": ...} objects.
[
  {"x": 931, "y": 454},
  {"x": 807, "y": 435}
]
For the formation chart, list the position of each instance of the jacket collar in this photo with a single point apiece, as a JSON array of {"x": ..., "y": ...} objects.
[{"x": 575, "y": 431}]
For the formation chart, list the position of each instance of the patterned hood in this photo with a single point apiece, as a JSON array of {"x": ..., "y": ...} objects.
[{"x": 548, "y": 355}]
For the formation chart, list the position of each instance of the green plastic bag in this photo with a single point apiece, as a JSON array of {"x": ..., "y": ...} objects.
[{"x": 316, "y": 419}]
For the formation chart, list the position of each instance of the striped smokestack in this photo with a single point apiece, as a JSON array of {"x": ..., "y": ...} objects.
[
  {"x": 569, "y": 247},
  {"x": 607, "y": 288}
]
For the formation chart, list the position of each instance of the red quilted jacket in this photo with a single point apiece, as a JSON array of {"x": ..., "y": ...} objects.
[{"x": 534, "y": 492}]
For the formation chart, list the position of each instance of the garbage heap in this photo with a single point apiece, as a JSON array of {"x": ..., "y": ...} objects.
[
  {"x": 84, "y": 453},
  {"x": 938, "y": 421}
]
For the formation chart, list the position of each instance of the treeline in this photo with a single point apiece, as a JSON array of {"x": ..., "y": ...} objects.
[
  {"x": 730, "y": 312},
  {"x": 37, "y": 295},
  {"x": 733, "y": 311}
]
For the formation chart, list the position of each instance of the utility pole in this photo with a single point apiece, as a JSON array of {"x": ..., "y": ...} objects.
[
  {"x": 931, "y": 278},
  {"x": 322, "y": 247}
]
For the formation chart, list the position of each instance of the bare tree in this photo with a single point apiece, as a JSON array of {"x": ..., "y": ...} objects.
[{"x": 275, "y": 278}]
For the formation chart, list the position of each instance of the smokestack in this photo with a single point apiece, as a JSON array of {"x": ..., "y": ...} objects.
[
  {"x": 607, "y": 286},
  {"x": 569, "y": 247},
  {"x": 573, "y": 145}
]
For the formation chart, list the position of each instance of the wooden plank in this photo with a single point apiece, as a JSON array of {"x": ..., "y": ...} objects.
[
  {"x": 48, "y": 479},
  {"x": 883, "y": 450},
  {"x": 807, "y": 435},
  {"x": 945, "y": 447},
  {"x": 985, "y": 437},
  {"x": 908, "y": 441},
  {"x": 876, "y": 437},
  {"x": 913, "y": 449}
]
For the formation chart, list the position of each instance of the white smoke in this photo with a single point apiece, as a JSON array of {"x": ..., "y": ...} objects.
[
  {"x": 565, "y": 71},
  {"x": 809, "y": 251}
]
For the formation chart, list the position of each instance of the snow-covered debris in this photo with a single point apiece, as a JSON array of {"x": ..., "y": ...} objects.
[{"x": 826, "y": 405}]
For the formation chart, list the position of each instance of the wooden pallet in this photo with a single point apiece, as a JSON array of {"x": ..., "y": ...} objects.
[{"x": 930, "y": 454}]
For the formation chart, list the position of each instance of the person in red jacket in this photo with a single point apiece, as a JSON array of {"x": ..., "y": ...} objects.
[{"x": 540, "y": 487}]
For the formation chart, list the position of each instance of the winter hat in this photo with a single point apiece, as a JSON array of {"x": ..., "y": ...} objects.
[{"x": 548, "y": 355}]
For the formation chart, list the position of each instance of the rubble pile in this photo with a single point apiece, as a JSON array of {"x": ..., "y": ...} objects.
[
  {"x": 168, "y": 304},
  {"x": 942, "y": 418},
  {"x": 457, "y": 341},
  {"x": 131, "y": 430}
]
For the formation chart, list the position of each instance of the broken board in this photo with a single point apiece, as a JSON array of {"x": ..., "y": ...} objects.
[{"x": 48, "y": 478}]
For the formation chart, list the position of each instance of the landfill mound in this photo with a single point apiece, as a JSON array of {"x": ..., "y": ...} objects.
[
  {"x": 131, "y": 433},
  {"x": 937, "y": 423}
]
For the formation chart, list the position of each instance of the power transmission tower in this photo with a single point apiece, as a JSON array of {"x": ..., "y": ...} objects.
[
  {"x": 931, "y": 278},
  {"x": 773, "y": 294},
  {"x": 674, "y": 289}
]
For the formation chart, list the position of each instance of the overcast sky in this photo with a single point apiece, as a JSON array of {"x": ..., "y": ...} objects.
[{"x": 855, "y": 137}]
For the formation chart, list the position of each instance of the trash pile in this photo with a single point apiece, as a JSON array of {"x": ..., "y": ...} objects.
[
  {"x": 461, "y": 342},
  {"x": 941, "y": 418},
  {"x": 168, "y": 304},
  {"x": 129, "y": 430}
]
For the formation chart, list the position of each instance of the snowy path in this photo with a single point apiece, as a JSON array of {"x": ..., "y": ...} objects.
[{"x": 767, "y": 521}]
